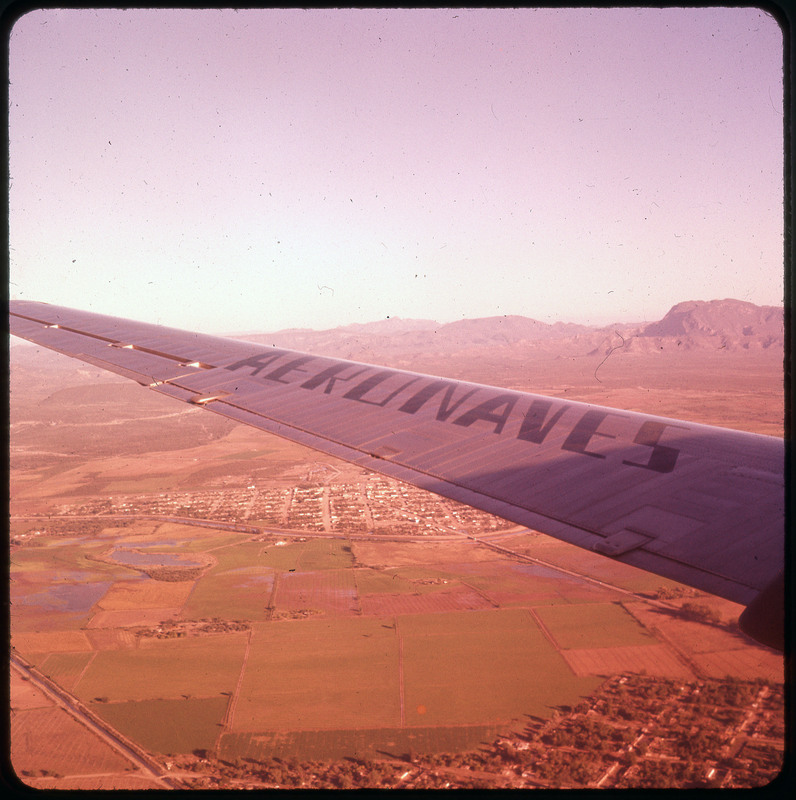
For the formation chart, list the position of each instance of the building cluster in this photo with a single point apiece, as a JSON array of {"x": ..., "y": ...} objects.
[
  {"x": 178, "y": 629},
  {"x": 639, "y": 732},
  {"x": 306, "y": 508},
  {"x": 377, "y": 505}
]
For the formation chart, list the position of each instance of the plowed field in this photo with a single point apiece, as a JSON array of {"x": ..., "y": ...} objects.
[{"x": 330, "y": 590}]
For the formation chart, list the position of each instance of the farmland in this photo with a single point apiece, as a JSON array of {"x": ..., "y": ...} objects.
[
  {"x": 336, "y": 638},
  {"x": 320, "y": 622},
  {"x": 184, "y": 725}
]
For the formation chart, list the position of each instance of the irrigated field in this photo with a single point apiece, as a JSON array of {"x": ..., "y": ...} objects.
[
  {"x": 461, "y": 669},
  {"x": 596, "y": 625},
  {"x": 183, "y": 725},
  {"x": 165, "y": 668},
  {"x": 320, "y": 673},
  {"x": 365, "y": 743},
  {"x": 336, "y": 637}
]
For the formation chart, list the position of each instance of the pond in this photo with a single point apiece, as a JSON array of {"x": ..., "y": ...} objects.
[{"x": 66, "y": 597}]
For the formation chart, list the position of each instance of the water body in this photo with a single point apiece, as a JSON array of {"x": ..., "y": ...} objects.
[
  {"x": 507, "y": 568},
  {"x": 78, "y": 597},
  {"x": 252, "y": 581},
  {"x": 71, "y": 575}
]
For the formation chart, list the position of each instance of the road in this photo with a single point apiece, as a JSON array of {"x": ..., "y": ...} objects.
[{"x": 72, "y": 706}]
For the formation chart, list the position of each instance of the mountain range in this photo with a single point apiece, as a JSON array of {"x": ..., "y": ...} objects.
[{"x": 691, "y": 325}]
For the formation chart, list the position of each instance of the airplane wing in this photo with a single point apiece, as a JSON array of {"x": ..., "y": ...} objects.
[{"x": 699, "y": 504}]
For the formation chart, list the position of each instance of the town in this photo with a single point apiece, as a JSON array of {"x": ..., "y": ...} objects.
[{"x": 376, "y": 505}]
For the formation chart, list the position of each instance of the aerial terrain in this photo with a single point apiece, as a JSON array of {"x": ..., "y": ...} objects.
[{"x": 197, "y": 604}]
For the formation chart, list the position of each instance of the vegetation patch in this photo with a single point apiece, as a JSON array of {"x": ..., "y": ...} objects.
[
  {"x": 232, "y": 595},
  {"x": 173, "y": 574},
  {"x": 320, "y": 673},
  {"x": 165, "y": 669},
  {"x": 173, "y": 629},
  {"x": 124, "y": 595},
  {"x": 167, "y": 726},
  {"x": 478, "y": 667},
  {"x": 51, "y": 642},
  {"x": 353, "y": 743},
  {"x": 592, "y": 625},
  {"x": 65, "y": 668}
]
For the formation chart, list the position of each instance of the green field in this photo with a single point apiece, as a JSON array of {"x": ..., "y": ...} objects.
[
  {"x": 366, "y": 743},
  {"x": 593, "y": 625},
  {"x": 188, "y": 538},
  {"x": 168, "y": 726},
  {"x": 314, "y": 554},
  {"x": 165, "y": 669},
  {"x": 464, "y": 668},
  {"x": 320, "y": 673},
  {"x": 240, "y": 594},
  {"x": 65, "y": 668},
  {"x": 38, "y": 560},
  {"x": 62, "y": 556},
  {"x": 371, "y": 581},
  {"x": 201, "y": 540},
  {"x": 474, "y": 666}
]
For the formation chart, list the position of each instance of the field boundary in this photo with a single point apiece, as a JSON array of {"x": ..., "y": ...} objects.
[{"x": 229, "y": 717}]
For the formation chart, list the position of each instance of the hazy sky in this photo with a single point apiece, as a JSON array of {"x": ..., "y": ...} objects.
[{"x": 263, "y": 169}]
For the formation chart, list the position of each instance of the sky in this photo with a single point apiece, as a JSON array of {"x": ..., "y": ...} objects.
[{"x": 255, "y": 170}]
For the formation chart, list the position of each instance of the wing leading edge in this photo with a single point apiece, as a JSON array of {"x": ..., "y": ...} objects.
[{"x": 699, "y": 504}]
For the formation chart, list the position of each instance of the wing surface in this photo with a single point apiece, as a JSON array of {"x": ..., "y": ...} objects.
[{"x": 699, "y": 504}]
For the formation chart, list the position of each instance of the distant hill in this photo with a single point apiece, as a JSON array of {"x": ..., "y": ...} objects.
[
  {"x": 486, "y": 345},
  {"x": 508, "y": 328},
  {"x": 721, "y": 323},
  {"x": 710, "y": 325},
  {"x": 391, "y": 325}
]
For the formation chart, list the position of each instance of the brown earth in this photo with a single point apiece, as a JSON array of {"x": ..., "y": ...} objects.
[{"x": 41, "y": 733}]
